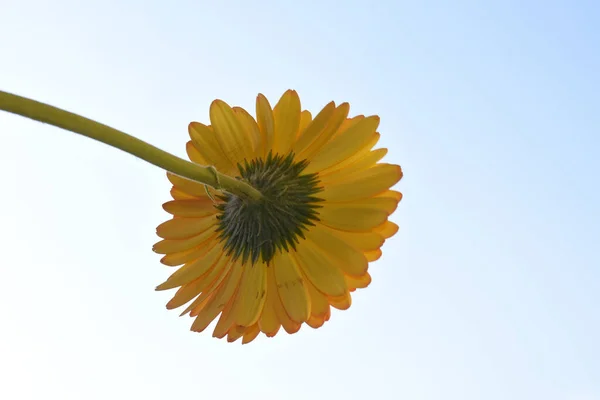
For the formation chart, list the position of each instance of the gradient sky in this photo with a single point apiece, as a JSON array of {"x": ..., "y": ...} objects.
[{"x": 491, "y": 289}]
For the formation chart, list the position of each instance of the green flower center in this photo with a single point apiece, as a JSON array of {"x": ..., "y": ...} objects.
[{"x": 256, "y": 229}]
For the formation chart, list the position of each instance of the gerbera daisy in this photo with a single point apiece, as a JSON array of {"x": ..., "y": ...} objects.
[{"x": 284, "y": 259}]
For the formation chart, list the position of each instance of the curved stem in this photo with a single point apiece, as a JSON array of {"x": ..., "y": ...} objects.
[{"x": 75, "y": 123}]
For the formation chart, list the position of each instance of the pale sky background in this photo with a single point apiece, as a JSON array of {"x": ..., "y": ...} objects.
[{"x": 491, "y": 289}]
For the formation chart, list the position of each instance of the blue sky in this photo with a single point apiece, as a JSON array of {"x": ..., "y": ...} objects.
[{"x": 489, "y": 291}]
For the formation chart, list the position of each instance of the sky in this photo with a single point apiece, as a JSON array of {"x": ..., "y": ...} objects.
[{"x": 491, "y": 288}]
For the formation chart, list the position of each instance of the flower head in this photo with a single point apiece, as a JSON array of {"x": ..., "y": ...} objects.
[{"x": 284, "y": 259}]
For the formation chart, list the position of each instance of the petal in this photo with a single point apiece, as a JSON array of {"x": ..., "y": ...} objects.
[
  {"x": 202, "y": 207},
  {"x": 383, "y": 203},
  {"x": 190, "y": 187},
  {"x": 218, "y": 300},
  {"x": 235, "y": 333},
  {"x": 363, "y": 241},
  {"x": 344, "y": 145},
  {"x": 226, "y": 320},
  {"x": 349, "y": 122},
  {"x": 287, "y": 121},
  {"x": 317, "y": 322},
  {"x": 183, "y": 228},
  {"x": 201, "y": 301},
  {"x": 392, "y": 194},
  {"x": 326, "y": 277},
  {"x": 368, "y": 160},
  {"x": 314, "y": 129},
  {"x": 288, "y": 324},
  {"x": 204, "y": 283},
  {"x": 207, "y": 144},
  {"x": 194, "y": 269},
  {"x": 360, "y": 282},
  {"x": 352, "y": 218},
  {"x": 373, "y": 255},
  {"x": 266, "y": 123},
  {"x": 251, "y": 334},
  {"x": 269, "y": 323},
  {"x": 250, "y": 127},
  {"x": 178, "y": 194},
  {"x": 320, "y": 309},
  {"x": 292, "y": 290},
  {"x": 167, "y": 246},
  {"x": 230, "y": 134},
  {"x": 194, "y": 155},
  {"x": 364, "y": 184},
  {"x": 341, "y": 302},
  {"x": 387, "y": 229},
  {"x": 341, "y": 255},
  {"x": 182, "y": 257},
  {"x": 250, "y": 298},
  {"x": 333, "y": 124},
  {"x": 305, "y": 120}
]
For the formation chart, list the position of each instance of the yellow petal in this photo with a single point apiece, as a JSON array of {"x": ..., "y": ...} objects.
[
  {"x": 359, "y": 282},
  {"x": 206, "y": 142},
  {"x": 251, "y": 334},
  {"x": 266, "y": 123},
  {"x": 317, "y": 322},
  {"x": 178, "y": 194},
  {"x": 250, "y": 298},
  {"x": 339, "y": 253},
  {"x": 194, "y": 269},
  {"x": 204, "y": 283},
  {"x": 190, "y": 187},
  {"x": 194, "y": 155},
  {"x": 235, "y": 333},
  {"x": 305, "y": 120},
  {"x": 227, "y": 318},
  {"x": 339, "y": 115},
  {"x": 344, "y": 145},
  {"x": 230, "y": 134},
  {"x": 326, "y": 277},
  {"x": 367, "y": 160},
  {"x": 349, "y": 122},
  {"x": 352, "y": 218},
  {"x": 373, "y": 255},
  {"x": 288, "y": 324},
  {"x": 341, "y": 302},
  {"x": 250, "y": 127},
  {"x": 319, "y": 307},
  {"x": 167, "y": 246},
  {"x": 182, "y": 257},
  {"x": 200, "y": 302},
  {"x": 186, "y": 293},
  {"x": 362, "y": 241},
  {"x": 218, "y": 300},
  {"x": 191, "y": 208},
  {"x": 314, "y": 128},
  {"x": 287, "y": 121},
  {"x": 269, "y": 323},
  {"x": 364, "y": 184},
  {"x": 183, "y": 228},
  {"x": 291, "y": 287},
  {"x": 391, "y": 194},
  {"x": 387, "y": 229},
  {"x": 383, "y": 203}
]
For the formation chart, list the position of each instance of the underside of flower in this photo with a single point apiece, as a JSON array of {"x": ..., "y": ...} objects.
[
  {"x": 286, "y": 259},
  {"x": 255, "y": 229}
]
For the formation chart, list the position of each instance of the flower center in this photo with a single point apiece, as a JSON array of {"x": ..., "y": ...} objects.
[{"x": 256, "y": 229}]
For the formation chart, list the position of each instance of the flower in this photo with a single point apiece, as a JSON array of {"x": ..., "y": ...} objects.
[{"x": 287, "y": 258}]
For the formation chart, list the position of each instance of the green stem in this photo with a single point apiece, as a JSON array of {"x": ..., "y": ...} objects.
[{"x": 75, "y": 123}]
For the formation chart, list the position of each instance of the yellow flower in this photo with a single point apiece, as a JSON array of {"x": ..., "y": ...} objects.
[{"x": 285, "y": 259}]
